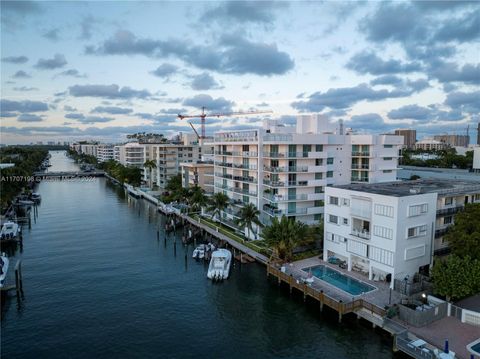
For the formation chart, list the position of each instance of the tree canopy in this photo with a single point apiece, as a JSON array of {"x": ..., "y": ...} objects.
[
  {"x": 464, "y": 236},
  {"x": 248, "y": 216}
]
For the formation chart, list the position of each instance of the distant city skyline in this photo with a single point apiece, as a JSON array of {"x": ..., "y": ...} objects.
[{"x": 101, "y": 70}]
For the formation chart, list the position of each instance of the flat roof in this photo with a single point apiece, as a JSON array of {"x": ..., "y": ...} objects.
[{"x": 414, "y": 187}]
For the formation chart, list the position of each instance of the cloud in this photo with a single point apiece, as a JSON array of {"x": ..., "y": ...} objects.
[
  {"x": 341, "y": 98},
  {"x": 411, "y": 112},
  {"x": 387, "y": 80},
  {"x": 370, "y": 122},
  {"x": 367, "y": 62},
  {"x": 460, "y": 29},
  {"x": 113, "y": 110},
  {"x": 263, "y": 104},
  {"x": 7, "y": 114},
  {"x": 244, "y": 12},
  {"x": 165, "y": 70},
  {"x": 23, "y": 106},
  {"x": 467, "y": 101},
  {"x": 87, "y": 24},
  {"x": 72, "y": 73},
  {"x": 52, "y": 34},
  {"x": 28, "y": 117},
  {"x": 451, "y": 72},
  {"x": 218, "y": 105},
  {"x": 204, "y": 81},
  {"x": 21, "y": 75},
  {"x": 69, "y": 108},
  {"x": 107, "y": 91},
  {"x": 95, "y": 119},
  {"x": 231, "y": 54},
  {"x": 172, "y": 111},
  {"x": 56, "y": 62},
  {"x": 75, "y": 116},
  {"x": 14, "y": 13},
  {"x": 15, "y": 59},
  {"x": 25, "y": 88}
]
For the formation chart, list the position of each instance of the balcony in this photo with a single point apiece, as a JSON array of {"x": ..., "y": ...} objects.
[
  {"x": 237, "y": 154},
  {"x": 285, "y": 154},
  {"x": 360, "y": 166},
  {"x": 245, "y": 179},
  {"x": 236, "y": 190},
  {"x": 359, "y": 179},
  {"x": 364, "y": 234},
  {"x": 285, "y": 184},
  {"x": 285, "y": 169},
  {"x": 360, "y": 153},
  {"x": 236, "y": 165},
  {"x": 226, "y": 175},
  {"x": 440, "y": 232},
  {"x": 275, "y": 212},
  {"x": 275, "y": 198},
  {"x": 451, "y": 210}
]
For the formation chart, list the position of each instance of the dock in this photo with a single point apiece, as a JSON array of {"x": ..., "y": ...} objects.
[{"x": 67, "y": 174}]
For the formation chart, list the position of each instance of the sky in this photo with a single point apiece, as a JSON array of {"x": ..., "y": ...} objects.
[{"x": 100, "y": 70}]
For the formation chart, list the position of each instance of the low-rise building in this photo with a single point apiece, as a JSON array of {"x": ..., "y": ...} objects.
[
  {"x": 429, "y": 144},
  {"x": 392, "y": 230},
  {"x": 105, "y": 152},
  {"x": 198, "y": 174}
]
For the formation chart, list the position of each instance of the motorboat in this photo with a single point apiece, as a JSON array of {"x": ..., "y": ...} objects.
[
  {"x": 4, "y": 262},
  {"x": 219, "y": 267},
  {"x": 36, "y": 197},
  {"x": 199, "y": 252},
  {"x": 10, "y": 230}
]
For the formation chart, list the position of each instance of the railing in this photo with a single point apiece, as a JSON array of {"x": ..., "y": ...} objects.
[
  {"x": 285, "y": 154},
  {"x": 235, "y": 153},
  {"x": 451, "y": 210},
  {"x": 360, "y": 166},
  {"x": 359, "y": 179},
  {"x": 404, "y": 344},
  {"x": 236, "y": 165},
  {"x": 360, "y": 234},
  {"x": 277, "y": 212},
  {"x": 285, "y": 184},
  {"x": 245, "y": 179},
  {"x": 360, "y": 153},
  {"x": 236, "y": 190},
  {"x": 441, "y": 232},
  {"x": 286, "y": 169},
  {"x": 281, "y": 198}
]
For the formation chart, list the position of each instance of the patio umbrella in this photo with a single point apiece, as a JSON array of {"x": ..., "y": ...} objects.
[{"x": 446, "y": 346}]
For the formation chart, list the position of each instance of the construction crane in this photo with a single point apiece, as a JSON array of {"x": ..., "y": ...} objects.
[{"x": 203, "y": 115}]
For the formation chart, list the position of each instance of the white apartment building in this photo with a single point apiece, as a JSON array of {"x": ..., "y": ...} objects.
[
  {"x": 429, "y": 144},
  {"x": 198, "y": 174},
  {"x": 130, "y": 154},
  {"x": 284, "y": 170},
  {"x": 391, "y": 230},
  {"x": 104, "y": 152}
]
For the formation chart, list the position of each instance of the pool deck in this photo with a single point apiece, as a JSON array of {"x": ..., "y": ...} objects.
[{"x": 379, "y": 297}]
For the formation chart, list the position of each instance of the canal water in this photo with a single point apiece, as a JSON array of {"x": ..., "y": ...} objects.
[{"x": 98, "y": 284}]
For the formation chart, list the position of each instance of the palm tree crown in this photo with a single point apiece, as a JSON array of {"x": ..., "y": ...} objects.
[
  {"x": 218, "y": 202},
  {"x": 248, "y": 216}
]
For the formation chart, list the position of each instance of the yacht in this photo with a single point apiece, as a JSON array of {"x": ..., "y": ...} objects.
[
  {"x": 10, "y": 230},
  {"x": 199, "y": 252},
  {"x": 219, "y": 267},
  {"x": 3, "y": 268},
  {"x": 36, "y": 197}
]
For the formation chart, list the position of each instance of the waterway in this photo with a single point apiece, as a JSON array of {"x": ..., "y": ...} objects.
[{"x": 98, "y": 284}]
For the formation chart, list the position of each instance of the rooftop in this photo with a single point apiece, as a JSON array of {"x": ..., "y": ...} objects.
[{"x": 420, "y": 186}]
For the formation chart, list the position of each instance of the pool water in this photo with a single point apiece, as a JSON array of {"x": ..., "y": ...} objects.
[
  {"x": 476, "y": 348},
  {"x": 339, "y": 280}
]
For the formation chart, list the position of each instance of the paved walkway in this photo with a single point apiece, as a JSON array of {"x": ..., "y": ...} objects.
[{"x": 459, "y": 335}]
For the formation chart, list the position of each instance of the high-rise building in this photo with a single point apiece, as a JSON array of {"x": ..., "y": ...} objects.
[
  {"x": 478, "y": 134},
  {"x": 453, "y": 140},
  {"x": 409, "y": 137},
  {"x": 284, "y": 170}
]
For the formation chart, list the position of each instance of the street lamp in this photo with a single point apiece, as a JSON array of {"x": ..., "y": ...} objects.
[{"x": 424, "y": 300}]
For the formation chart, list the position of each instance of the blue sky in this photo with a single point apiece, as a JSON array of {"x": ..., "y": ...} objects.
[{"x": 101, "y": 70}]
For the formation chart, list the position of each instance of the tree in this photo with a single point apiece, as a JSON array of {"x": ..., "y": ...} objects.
[
  {"x": 218, "y": 203},
  {"x": 284, "y": 235},
  {"x": 456, "y": 277},
  {"x": 197, "y": 198},
  {"x": 464, "y": 236},
  {"x": 150, "y": 164},
  {"x": 248, "y": 216}
]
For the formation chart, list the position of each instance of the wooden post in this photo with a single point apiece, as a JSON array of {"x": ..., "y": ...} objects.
[
  {"x": 175, "y": 247},
  {"x": 158, "y": 234},
  {"x": 304, "y": 292},
  {"x": 340, "y": 311},
  {"x": 321, "y": 297},
  {"x": 29, "y": 220}
]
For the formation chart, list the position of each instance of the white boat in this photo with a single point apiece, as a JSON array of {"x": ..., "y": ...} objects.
[
  {"x": 219, "y": 267},
  {"x": 10, "y": 230},
  {"x": 199, "y": 252},
  {"x": 36, "y": 197},
  {"x": 3, "y": 268}
]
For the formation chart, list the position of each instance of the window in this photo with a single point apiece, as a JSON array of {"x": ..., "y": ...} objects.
[
  {"x": 418, "y": 231},
  {"x": 318, "y": 175},
  {"x": 387, "y": 146},
  {"x": 387, "y": 158},
  {"x": 318, "y": 203},
  {"x": 319, "y": 148},
  {"x": 318, "y": 190},
  {"x": 333, "y": 200},
  {"x": 476, "y": 197},
  {"x": 417, "y": 209},
  {"x": 345, "y": 202},
  {"x": 332, "y": 219},
  {"x": 345, "y": 221},
  {"x": 383, "y": 210},
  {"x": 448, "y": 201},
  {"x": 383, "y": 232},
  {"x": 330, "y": 161},
  {"x": 319, "y": 162},
  {"x": 317, "y": 217},
  {"x": 329, "y": 174},
  {"x": 447, "y": 220},
  {"x": 387, "y": 171}
]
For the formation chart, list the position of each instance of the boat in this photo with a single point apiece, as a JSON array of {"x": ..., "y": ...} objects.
[
  {"x": 4, "y": 262},
  {"x": 199, "y": 252},
  {"x": 36, "y": 197},
  {"x": 10, "y": 230},
  {"x": 219, "y": 267}
]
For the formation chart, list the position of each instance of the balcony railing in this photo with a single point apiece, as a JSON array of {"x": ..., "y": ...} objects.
[
  {"x": 286, "y": 212},
  {"x": 281, "y": 198},
  {"x": 359, "y": 179},
  {"x": 285, "y": 154},
  {"x": 285, "y": 184},
  {"x": 236, "y": 190},
  {"x": 236, "y": 165},
  {"x": 360, "y": 166},
  {"x": 245, "y": 179},
  {"x": 238, "y": 154},
  {"x": 360, "y": 233},
  {"x": 286, "y": 169},
  {"x": 451, "y": 210},
  {"x": 361, "y": 153}
]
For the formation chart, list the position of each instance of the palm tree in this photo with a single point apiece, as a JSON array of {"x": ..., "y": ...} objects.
[
  {"x": 284, "y": 235},
  {"x": 248, "y": 216},
  {"x": 197, "y": 198},
  {"x": 218, "y": 203},
  {"x": 150, "y": 164}
]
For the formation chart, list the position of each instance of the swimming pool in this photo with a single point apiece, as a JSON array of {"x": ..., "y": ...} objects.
[
  {"x": 474, "y": 347},
  {"x": 340, "y": 280}
]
